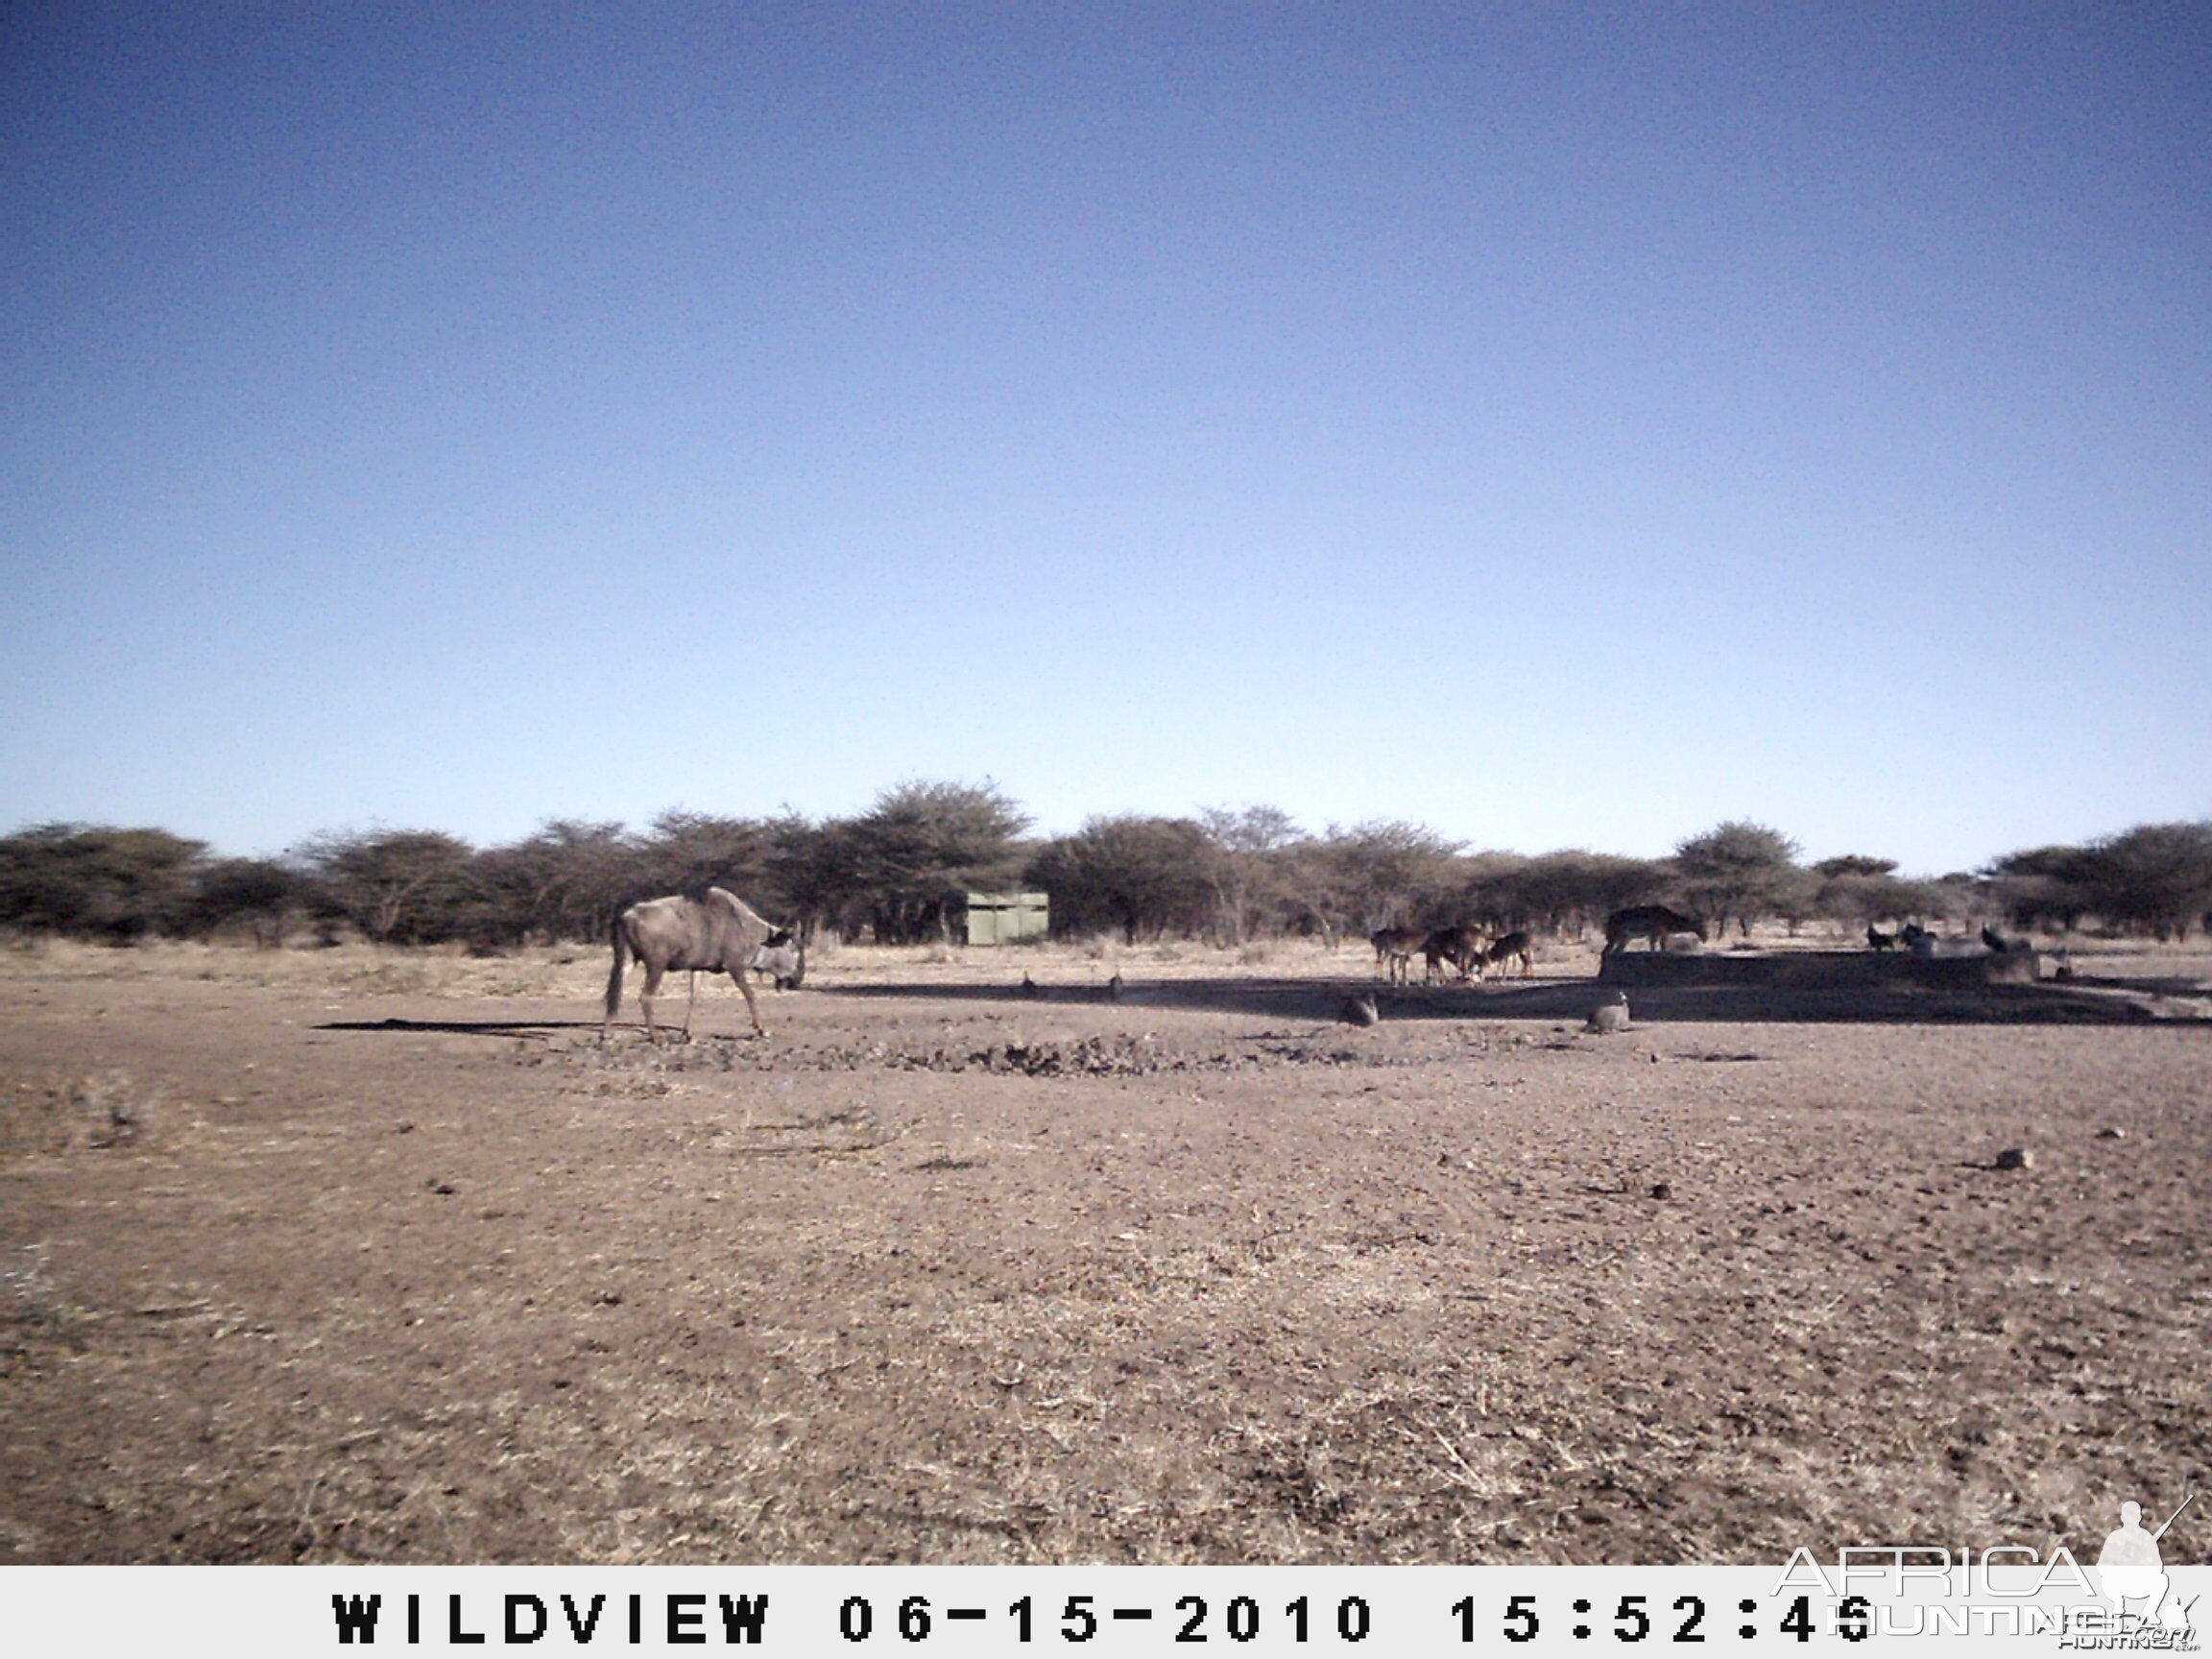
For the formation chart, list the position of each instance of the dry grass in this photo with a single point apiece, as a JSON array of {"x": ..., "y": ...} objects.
[
  {"x": 103, "y": 1112},
  {"x": 580, "y": 970},
  {"x": 340, "y": 971},
  {"x": 402, "y": 1263}
]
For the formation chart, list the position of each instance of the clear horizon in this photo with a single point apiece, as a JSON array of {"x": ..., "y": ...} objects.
[{"x": 1555, "y": 427}]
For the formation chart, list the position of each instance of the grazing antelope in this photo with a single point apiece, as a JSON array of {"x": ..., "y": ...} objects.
[
  {"x": 1513, "y": 944},
  {"x": 1461, "y": 947}
]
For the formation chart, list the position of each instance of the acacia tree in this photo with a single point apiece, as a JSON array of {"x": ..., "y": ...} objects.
[
  {"x": 98, "y": 881},
  {"x": 922, "y": 847},
  {"x": 810, "y": 873},
  {"x": 2045, "y": 887},
  {"x": 690, "y": 852},
  {"x": 566, "y": 882},
  {"x": 1856, "y": 891},
  {"x": 1143, "y": 876},
  {"x": 1570, "y": 890},
  {"x": 1250, "y": 868},
  {"x": 1743, "y": 870},
  {"x": 2155, "y": 877},
  {"x": 1492, "y": 891},
  {"x": 397, "y": 886},
  {"x": 266, "y": 897},
  {"x": 1854, "y": 864},
  {"x": 1376, "y": 875}
]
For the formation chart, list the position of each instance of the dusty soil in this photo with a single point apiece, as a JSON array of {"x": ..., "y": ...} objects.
[{"x": 329, "y": 1255}]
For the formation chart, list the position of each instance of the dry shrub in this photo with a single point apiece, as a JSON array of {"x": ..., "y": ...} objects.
[
  {"x": 103, "y": 1112},
  {"x": 31, "y": 1298}
]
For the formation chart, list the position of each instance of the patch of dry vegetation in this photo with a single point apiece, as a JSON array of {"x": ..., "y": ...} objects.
[
  {"x": 937, "y": 1275},
  {"x": 101, "y": 1112},
  {"x": 352, "y": 970}
]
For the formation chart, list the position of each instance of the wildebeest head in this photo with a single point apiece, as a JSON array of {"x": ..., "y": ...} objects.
[{"x": 784, "y": 959}]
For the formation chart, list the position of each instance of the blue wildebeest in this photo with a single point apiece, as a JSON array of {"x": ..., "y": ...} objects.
[
  {"x": 717, "y": 934},
  {"x": 1652, "y": 922}
]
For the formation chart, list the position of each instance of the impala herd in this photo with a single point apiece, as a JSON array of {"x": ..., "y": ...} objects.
[
  {"x": 1448, "y": 954},
  {"x": 1462, "y": 953}
]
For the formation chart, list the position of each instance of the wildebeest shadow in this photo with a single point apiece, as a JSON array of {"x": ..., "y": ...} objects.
[
  {"x": 462, "y": 1027},
  {"x": 1567, "y": 1000}
]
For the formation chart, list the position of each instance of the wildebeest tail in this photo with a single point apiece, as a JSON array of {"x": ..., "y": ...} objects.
[{"x": 615, "y": 974}]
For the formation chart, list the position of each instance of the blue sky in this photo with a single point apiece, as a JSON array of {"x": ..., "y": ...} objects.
[{"x": 1555, "y": 426}]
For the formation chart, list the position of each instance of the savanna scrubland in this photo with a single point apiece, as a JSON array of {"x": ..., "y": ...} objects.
[
  {"x": 369, "y": 1253},
  {"x": 899, "y": 874}
]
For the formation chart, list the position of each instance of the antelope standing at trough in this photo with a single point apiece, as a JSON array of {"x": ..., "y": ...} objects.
[
  {"x": 1461, "y": 947},
  {"x": 717, "y": 934},
  {"x": 1394, "y": 948},
  {"x": 1513, "y": 946}
]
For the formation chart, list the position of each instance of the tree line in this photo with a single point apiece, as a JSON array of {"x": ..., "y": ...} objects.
[{"x": 899, "y": 873}]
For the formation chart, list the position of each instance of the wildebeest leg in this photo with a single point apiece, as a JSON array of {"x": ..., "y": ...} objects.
[
  {"x": 751, "y": 1002},
  {"x": 691, "y": 1001},
  {"x": 646, "y": 994}
]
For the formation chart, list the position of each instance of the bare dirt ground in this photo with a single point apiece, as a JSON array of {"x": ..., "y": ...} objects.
[{"x": 333, "y": 1256}]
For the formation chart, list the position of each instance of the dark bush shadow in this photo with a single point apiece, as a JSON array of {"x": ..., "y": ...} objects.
[{"x": 1572, "y": 999}]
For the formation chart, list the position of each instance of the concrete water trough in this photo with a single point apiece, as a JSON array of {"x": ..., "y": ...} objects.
[{"x": 1821, "y": 970}]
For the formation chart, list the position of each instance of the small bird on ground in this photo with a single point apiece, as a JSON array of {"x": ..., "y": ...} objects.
[{"x": 1610, "y": 1016}]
